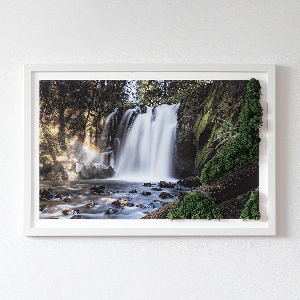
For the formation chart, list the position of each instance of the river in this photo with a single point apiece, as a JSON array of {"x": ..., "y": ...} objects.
[{"x": 86, "y": 199}]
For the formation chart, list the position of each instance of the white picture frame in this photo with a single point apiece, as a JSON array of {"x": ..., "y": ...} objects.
[{"x": 33, "y": 226}]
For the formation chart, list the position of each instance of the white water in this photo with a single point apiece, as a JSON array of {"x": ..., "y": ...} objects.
[
  {"x": 107, "y": 155},
  {"x": 147, "y": 147}
]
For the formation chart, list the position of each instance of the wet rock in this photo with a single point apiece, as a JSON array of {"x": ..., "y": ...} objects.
[
  {"x": 165, "y": 184},
  {"x": 130, "y": 204},
  {"x": 42, "y": 207},
  {"x": 70, "y": 211},
  {"x": 145, "y": 193},
  {"x": 145, "y": 205},
  {"x": 192, "y": 181},
  {"x": 46, "y": 194},
  {"x": 97, "y": 189},
  {"x": 66, "y": 199},
  {"x": 110, "y": 211},
  {"x": 57, "y": 196},
  {"x": 95, "y": 171},
  {"x": 123, "y": 201},
  {"x": 156, "y": 189},
  {"x": 90, "y": 204},
  {"x": 165, "y": 195},
  {"x": 147, "y": 184},
  {"x": 110, "y": 172},
  {"x": 120, "y": 202},
  {"x": 133, "y": 191},
  {"x": 78, "y": 217}
]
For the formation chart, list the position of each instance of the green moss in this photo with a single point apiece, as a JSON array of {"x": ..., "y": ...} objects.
[
  {"x": 200, "y": 125},
  {"x": 195, "y": 206},
  {"x": 245, "y": 146},
  {"x": 202, "y": 155},
  {"x": 251, "y": 208}
]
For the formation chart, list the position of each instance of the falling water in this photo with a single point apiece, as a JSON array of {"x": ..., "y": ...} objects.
[
  {"x": 146, "y": 149},
  {"x": 107, "y": 153}
]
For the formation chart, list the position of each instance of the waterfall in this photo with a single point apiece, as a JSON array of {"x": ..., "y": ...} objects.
[
  {"x": 107, "y": 153},
  {"x": 145, "y": 143}
]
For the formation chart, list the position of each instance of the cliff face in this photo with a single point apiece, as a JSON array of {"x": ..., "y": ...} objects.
[{"x": 205, "y": 127}]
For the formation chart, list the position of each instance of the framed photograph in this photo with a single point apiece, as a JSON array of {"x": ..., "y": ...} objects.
[{"x": 149, "y": 150}]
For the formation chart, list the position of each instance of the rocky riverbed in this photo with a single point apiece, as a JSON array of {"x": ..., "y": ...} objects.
[{"x": 104, "y": 199}]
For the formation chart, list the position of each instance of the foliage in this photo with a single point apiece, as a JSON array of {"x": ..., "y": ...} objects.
[
  {"x": 228, "y": 133},
  {"x": 155, "y": 92},
  {"x": 195, "y": 206},
  {"x": 216, "y": 122},
  {"x": 251, "y": 208},
  {"x": 245, "y": 146}
]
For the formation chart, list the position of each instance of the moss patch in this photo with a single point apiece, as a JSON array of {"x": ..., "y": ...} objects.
[{"x": 195, "y": 206}]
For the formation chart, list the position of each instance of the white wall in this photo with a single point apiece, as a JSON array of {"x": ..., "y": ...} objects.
[{"x": 159, "y": 31}]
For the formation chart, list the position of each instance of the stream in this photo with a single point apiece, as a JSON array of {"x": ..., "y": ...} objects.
[{"x": 103, "y": 199}]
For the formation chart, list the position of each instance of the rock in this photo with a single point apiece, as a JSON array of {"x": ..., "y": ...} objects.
[
  {"x": 110, "y": 172},
  {"x": 133, "y": 191},
  {"x": 145, "y": 205},
  {"x": 58, "y": 196},
  {"x": 145, "y": 193},
  {"x": 165, "y": 184},
  {"x": 192, "y": 181},
  {"x": 78, "y": 217},
  {"x": 162, "y": 212},
  {"x": 156, "y": 189},
  {"x": 159, "y": 203},
  {"x": 70, "y": 211},
  {"x": 147, "y": 184},
  {"x": 120, "y": 202},
  {"x": 79, "y": 166},
  {"x": 97, "y": 189},
  {"x": 42, "y": 207},
  {"x": 123, "y": 201},
  {"x": 46, "y": 194},
  {"x": 130, "y": 204},
  {"x": 165, "y": 195},
  {"x": 110, "y": 211},
  {"x": 66, "y": 199},
  {"x": 90, "y": 203}
]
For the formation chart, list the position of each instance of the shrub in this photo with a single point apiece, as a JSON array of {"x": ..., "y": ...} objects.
[
  {"x": 195, "y": 206},
  {"x": 251, "y": 208},
  {"x": 245, "y": 146}
]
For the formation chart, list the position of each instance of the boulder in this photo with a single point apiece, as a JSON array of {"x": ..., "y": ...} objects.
[
  {"x": 66, "y": 199},
  {"x": 164, "y": 184},
  {"x": 97, "y": 189},
  {"x": 46, "y": 194},
  {"x": 90, "y": 203},
  {"x": 110, "y": 211},
  {"x": 42, "y": 207},
  {"x": 78, "y": 217},
  {"x": 165, "y": 195},
  {"x": 70, "y": 211},
  {"x": 156, "y": 189},
  {"x": 192, "y": 181},
  {"x": 120, "y": 202},
  {"x": 145, "y": 193}
]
